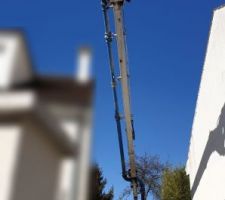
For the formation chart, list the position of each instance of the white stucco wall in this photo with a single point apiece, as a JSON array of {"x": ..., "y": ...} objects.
[
  {"x": 84, "y": 158},
  {"x": 206, "y": 158},
  {"x": 37, "y": 166},
  {"x": 74, "y": 171},
  {"x": 10, "y": 139}
]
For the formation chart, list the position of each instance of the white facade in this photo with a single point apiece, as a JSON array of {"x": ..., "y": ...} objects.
[
  {"x": 9, "y": 134},
  {"x": 45, "y": 128},
  {"x": 206, "y": 158}
]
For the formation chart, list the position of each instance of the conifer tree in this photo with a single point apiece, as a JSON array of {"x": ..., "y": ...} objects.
[{"x": 98, "y": 184}]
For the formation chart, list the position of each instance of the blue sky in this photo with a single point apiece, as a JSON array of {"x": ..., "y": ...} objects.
[{"x": 167, "y": 43}]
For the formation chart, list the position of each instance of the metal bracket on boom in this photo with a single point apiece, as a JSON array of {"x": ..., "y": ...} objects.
[{"x": 109, "y": 36}]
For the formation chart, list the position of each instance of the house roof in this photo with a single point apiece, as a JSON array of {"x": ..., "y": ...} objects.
[
  {"x": 60, "y": 89},
  {"x": 29, "y": 99}
]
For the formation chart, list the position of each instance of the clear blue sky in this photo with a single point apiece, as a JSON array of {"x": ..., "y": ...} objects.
[{"x": 167, "y": 43}]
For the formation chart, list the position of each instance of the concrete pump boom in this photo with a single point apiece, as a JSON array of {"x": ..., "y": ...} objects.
[{"x": 131, "y": 174}]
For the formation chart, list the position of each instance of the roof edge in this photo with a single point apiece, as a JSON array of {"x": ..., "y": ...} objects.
[{"x": 219, "y": 7}]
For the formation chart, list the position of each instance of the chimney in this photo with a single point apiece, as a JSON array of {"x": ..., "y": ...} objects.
[
  {"x": 84, "y": 65},
  {"x": 15, "y": 62}
]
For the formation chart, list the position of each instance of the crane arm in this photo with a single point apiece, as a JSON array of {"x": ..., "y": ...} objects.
[{"x": 131, "y": 174}]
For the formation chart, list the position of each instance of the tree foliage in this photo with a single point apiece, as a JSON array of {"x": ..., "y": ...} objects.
[
  {"x": 150, "y": 170},
  {"x": 175, "y": 185},
  {"x": 97, "y": 185}
]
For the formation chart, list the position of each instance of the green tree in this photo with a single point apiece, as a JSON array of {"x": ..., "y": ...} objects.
[
  {"x": 97, "y": 185},
  {"x": 175, "y": 185}
]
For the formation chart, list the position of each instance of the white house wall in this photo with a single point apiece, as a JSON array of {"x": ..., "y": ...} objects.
[
  {"x": 17, "y": 101},
  {"x": 74, "y": 172},
  {"x": 206, "y": 158},
  {"x": 10, "y": 137},
  {"x": 38, "y": 165},
  {"x": 67, "y": 184},
  {"x": 84, "y": 158}
]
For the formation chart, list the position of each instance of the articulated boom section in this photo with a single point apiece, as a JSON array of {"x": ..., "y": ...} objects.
[{"x": 131, "y": 174}]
